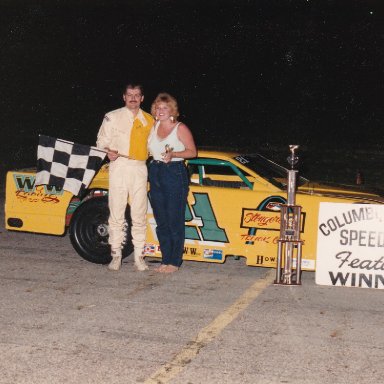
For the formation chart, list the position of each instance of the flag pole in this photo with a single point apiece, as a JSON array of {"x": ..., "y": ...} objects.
[
  {"x": 117, "y": 153},
  {"x": 96, "y": 148}
]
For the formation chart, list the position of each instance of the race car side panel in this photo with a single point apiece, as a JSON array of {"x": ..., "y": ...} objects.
[
  {"x": 225, "y": 221},
  {"x": 221, "y": 222},
  {"x": 32, "y": 208}
]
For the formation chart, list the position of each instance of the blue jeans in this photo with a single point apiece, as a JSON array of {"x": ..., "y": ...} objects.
[{"x": 168, "y": 194}]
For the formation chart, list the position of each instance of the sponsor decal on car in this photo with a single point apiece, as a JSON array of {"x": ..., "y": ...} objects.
[
  {"x": 213, "y": 254},
  {"x": 305, "y": 263},
  {"x": 149, "y": 249},
  {"x": 252, "y": 218},
  {"x": 261, "y": 260},
  {"x": 191, "y": 251},
  {"x": 260, "y": 239},
  {"x": 27, "y": 191},
  {"x": 265, "y": 217},
  {"x": 26, "y": 183}
]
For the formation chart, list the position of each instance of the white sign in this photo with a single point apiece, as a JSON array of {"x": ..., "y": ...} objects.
[{"x": 350, "y": 245}]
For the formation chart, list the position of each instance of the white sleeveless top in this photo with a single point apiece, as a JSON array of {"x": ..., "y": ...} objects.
[{"x": 156, "y": 146}]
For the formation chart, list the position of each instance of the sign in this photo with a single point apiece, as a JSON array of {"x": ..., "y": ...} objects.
[{"x": 350, "y": 245}]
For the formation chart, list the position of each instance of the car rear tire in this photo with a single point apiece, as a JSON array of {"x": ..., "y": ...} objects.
[{"x": 88, "y": 231}]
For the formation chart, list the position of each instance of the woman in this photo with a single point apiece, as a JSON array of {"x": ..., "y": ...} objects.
[{"x": 169, "y": 143}]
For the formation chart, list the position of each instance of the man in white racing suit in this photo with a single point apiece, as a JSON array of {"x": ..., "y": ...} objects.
[{"x": 124, "y": 133}]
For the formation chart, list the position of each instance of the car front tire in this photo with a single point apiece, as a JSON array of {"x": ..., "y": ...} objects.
[{"x": 88, "y": 231}]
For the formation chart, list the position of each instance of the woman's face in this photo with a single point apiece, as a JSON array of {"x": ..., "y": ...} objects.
[{"x": 163, "y": 111}]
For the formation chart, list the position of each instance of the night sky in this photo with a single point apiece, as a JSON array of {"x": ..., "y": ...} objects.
[{"x": 247, "y": 74}]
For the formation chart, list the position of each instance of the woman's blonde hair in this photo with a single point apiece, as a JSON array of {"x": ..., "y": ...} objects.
[{"x": 169, "y": 100}]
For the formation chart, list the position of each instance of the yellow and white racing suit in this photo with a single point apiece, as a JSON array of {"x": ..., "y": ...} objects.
[{"x": 128, "y": 134}]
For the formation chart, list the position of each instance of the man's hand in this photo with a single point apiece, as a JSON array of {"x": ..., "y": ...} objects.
[{"x": 112, "y": 154}]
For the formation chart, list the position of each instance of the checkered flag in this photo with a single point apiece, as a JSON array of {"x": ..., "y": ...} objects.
[{"x": 66, "y": 165}]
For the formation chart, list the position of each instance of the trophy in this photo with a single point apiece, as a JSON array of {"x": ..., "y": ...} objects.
[
  {"x": 168, "y": 149},
  {"x": 289, "y": 243}
]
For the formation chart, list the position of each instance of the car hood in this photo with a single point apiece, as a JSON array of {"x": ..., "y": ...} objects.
[{"x": 355, "y": 192}]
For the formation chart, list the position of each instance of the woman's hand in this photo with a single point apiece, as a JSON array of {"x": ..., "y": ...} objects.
[{"x": 167, "y": 156}]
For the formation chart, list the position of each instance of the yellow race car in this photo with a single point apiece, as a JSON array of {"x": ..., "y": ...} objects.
[{"x": 233, "y": 210}]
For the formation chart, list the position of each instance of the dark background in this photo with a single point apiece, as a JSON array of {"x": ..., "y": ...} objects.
[{"x": 251, "y": 75}]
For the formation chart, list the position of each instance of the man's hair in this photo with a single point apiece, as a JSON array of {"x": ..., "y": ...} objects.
[{"x": 133, "y": 86}]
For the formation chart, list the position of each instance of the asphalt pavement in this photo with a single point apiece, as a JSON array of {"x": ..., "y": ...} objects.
[{"x": 65, "y": 320}]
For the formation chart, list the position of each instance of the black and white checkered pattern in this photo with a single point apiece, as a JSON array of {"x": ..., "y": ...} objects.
[{"x": 66, "y": 165}]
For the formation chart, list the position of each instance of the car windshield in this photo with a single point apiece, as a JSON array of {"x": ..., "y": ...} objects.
[{"x": 272, "y": 172}]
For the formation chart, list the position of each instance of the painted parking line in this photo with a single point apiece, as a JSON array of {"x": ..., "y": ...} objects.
[{"x": 171, "y": 369}]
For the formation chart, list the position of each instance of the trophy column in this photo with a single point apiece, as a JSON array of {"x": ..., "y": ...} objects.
[{"x": 289, "y": 244}]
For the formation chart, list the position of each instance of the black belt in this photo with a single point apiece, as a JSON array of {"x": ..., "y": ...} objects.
[{"x": 169, "y": 163}]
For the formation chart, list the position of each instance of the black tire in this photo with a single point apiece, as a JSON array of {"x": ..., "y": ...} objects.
[{"x": 88, "y": 231}]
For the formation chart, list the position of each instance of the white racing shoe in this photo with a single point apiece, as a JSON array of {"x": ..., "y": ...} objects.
[
  {"x": 139, "y": 261},
  {"x": 115, "y": 264}
]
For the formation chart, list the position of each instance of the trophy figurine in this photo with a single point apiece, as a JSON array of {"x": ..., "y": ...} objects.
[{"x": 292, "y": 158}]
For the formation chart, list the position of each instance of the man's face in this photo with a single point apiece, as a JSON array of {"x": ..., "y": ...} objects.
[{"x": 133, "y": 98}]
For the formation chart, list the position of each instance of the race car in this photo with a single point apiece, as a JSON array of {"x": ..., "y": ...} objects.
[{"x": 233, "y": 210}]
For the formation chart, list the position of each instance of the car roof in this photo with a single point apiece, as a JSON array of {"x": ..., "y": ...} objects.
[{"x": 217, "y": 153}]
